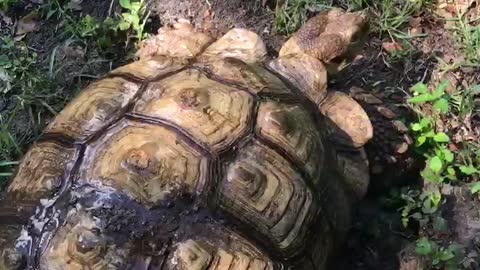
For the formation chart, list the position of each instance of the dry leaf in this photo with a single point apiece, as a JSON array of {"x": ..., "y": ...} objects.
[
  {"x": 26, "y": 25},
  {"x": 391, "y": 47}
]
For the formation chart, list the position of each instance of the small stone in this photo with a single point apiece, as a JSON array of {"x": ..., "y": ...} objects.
[
  {"x": 408, "y": 139},
  {"x": 402, "y": 148},
  {"x": 391, "y": 159},
  {"x": 367, "y": 98},
  {"x": 400, "y": 126},
  {"x": 386, "y": 112}
]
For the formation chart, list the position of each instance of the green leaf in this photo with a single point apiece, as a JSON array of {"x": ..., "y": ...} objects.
[
  {"x": 421, "y": 140},
  {"x": 441, "y": 137},
  {"x": 423, "y": 246},
  {"x": 448, "y": 155},
  {"x": 451, "y": 171},
  {"x": 441, "y": 105},
  {"x": 468, "y": 170},
  {"x": 446, "y": 255},
  {"x": 422, "y": 98},
  {"x": 125, "y": 4},
  {"x": 124, "y": 25},
  {"x": 416, "y": 127},
  {"x": 440, "y": 90},
  {"x": 425, "y": 122},
  {"x": 475, "y": 187},
  {"x": 419, "y": 88},
  {"x": 435, "y": 164},
  {"x": 430, "y": 134}
]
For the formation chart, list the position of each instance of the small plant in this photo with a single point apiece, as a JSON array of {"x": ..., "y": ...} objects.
[
  {"x": 436, "y": 256},
  {"x": 419, "y": 205},
  {"x": 468, "y": 38},
  {"x": 5, "y": 5},
  {"x": 135, "y": 19},
  {"x": 390, "y": 16}
]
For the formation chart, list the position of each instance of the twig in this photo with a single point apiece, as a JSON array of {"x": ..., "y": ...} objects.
[{"x": 110, "y": 8}]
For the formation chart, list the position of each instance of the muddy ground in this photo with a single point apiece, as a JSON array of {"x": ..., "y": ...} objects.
[{"x": 377, "y": 237}]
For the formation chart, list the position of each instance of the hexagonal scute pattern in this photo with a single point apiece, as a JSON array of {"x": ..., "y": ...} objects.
[
  {"x": 292, "y": 128},
  {"x": 197, "y": 255},
  {"x": 255, "y": 77},
  {"x": 262, "y": 189},
  {"x": 150, "y": 68},
  {"x": 147, "y": 162},
  {"x": 94, "y": 108},
  {"x": 80, "y": 245},
  {"x": 41, "y": 172},
  {"x": 212, "y": 113}
]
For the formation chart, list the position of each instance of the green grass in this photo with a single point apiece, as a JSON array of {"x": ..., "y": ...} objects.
[
  {"x": 467, "y": 34},
  {"x": 5, "y": 5},
  {"x": 30, "y": 87},
  {"x": 290, "y": 15}
]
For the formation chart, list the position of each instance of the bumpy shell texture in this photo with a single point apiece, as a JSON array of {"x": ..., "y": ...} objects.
[
  {"x": 162, "y": 164},
  {"x": 211, "y": 163}
]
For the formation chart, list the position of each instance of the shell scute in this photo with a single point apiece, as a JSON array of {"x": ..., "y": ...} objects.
[
  {"x": 94, "y": 108},
  {"x": 212, "y": 113},
  {"x": 42, "y": 171},
  {"x": 270, "y": 196},
  {"x": 254, "y": 77},
  {"x": 146, "y": 161},
  {"x": 292, "y": 128}
]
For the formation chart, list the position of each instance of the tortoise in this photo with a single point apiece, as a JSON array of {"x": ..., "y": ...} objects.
[{"x": 203, "y": 154}]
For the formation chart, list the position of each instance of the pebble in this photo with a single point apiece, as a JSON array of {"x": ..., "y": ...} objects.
[
  {"x": 386, "y": 112},
  {"x": 400, "y": 126}
]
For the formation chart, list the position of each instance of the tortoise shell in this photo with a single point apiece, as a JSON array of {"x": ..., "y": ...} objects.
[{"x": 173, "y": 164}]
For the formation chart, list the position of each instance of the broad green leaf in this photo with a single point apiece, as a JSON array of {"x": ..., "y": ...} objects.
[
  {"x": 441, "y": 137},
  {"x": 423, "y": 246},
  {"x": 448, "y": 155},
  {"x": 451, "y": 171},
  {"x": 419, "y": 88},
  {"x": 441, "y": 105},
  {"x": 468, "y": 170},
  {"x": 421, "y": 140},
  {"x": 425, "y": 122},
  {"x": 416, "y": 127},
  {"x": 435, "y": 164},
  {"x": 135, "y": 7},
  {"x": 430, "y": 134},
  {"x": 446, "y": 255},
  {"x": 125, "y": 4},
  {"x": 475, "y": 187},
  {"x": 422, "y": 98},
  {"x": 124, "y": 25}
]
